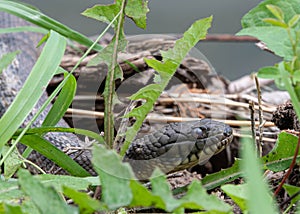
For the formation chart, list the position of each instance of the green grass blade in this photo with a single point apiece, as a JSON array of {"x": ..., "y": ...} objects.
[
  {"x": 24, "y": 29},
  {"x": 51, "y": 152},
  {"x": 7, "y": 59},
  {"x": 36, "y": 17},
  {"x": 32, "y": 90},
  {"x": 62, "y": 102}
]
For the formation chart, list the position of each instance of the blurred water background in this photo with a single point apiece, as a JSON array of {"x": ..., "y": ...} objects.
[{"x": 232, "y": 60}]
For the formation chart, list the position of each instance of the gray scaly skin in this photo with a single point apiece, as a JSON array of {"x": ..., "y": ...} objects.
[{"x": 177, "y": 146}]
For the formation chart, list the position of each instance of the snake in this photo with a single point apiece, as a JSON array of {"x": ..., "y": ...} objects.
[{"x": 174, "y": 147}]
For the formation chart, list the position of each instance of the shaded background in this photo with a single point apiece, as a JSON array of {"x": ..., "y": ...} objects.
[{"x": 232, "y": 60}]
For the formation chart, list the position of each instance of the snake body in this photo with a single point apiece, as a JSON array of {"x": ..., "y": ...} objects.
[{"x": 176, "y": 146}]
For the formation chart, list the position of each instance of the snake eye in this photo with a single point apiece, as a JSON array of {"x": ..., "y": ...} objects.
[
  {"x": 227, "y": 131},
  {"x": 197, "y": 133}
]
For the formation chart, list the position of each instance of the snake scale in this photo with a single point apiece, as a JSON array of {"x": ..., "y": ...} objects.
[{"x": 174, "y": 147}]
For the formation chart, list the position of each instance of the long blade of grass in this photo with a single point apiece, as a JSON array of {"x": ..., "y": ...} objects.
[
  {"x": 36, "y": 17},
  {"x": 48, "y": 150},
  {"x": 32, "y": 90},
  {"x": 24, "y": 29}
]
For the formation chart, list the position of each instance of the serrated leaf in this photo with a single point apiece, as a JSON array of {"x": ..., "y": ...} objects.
[
  {"x": 114, "y": 176},
  {"x": 45, "y": 198},
  {"x": 269, "y": 72},
  {"x": 237, "y": 193},
  {"x": 12, "y": 163},
  {"x": 260, "y": 200},
  {"x": 225, "y": 175},
  {"x": 7, "y": 59},
  {"x": 280, "y": 157},
  {"x": 293, "y": 21},
  {"x": 166, "y": 69},
  {"x": 276, "y": 11},
  {"x": 137, "y": 11},
  {"x": 84, "y": 201}
]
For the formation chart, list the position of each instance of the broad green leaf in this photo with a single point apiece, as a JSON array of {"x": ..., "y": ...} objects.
[
  {"x": 29, "y": 95},
  {"x": 260, "y": 200},
  {"x": 137, "y": 11},
  {"x": 9, "y": 209},
  {"x": 237, "y": 193},
  {"x": 62, "y": 102},
  {"x": 9, "y": 191},
  {"x": 276, "y": 11},
  {"x": 254, "y": 18},
  {"x": 280, "y": 157},
  {"x": 36, "y": 17},
  {"x": 7, "y": 59},
  {"x": 50, "y": 151},
  {"x": 45, "y": 198},
  {"x": 84, "y": 201},
  {"x": 292, "y": 190},
  {"x": 270, "y": 72},
  {"x": 166, "y": 69},
  {"x": 276, "y": 39},
  {"x": 104, "y": 13},
  {"x": 114, "y": 176}
]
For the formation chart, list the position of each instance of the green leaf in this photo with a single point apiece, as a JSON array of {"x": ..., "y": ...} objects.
[
  {"x": 9, "y": 191},
  {"x": 114, "y": 176},
  {"x": 51, "y": 152},
  {"x": 24, "y": 29},
  {"x": 62, "y": 102},
  {"x": 137, "y": 11},
  {"x": 104, "y": 13},
  {"x": 296, "y": 76},
  {"x": 29, "y": 95},
  {"x": 7, "y": 59},
  {"x": 12, "y": 163},
  {"x": 276, "y": 39},
  {"x": 225, "y": 175},
  {"x": 276, "y": 11},
  {"x": 238, "y": 194},
  {"x": 12, "y": 209},
  {"x": 36, "y": 17},
  {"x": 292, "y": 190},
  {"x": 46, "y": 199},
  {"x": 58, "y": 181},
  {"x": 260, "y": 200},
  {"x": 275, "y": 22},
  {"x": 166, "y": 69},
  {"x": 84, "y": 201},
  {"x": 270, "y": 72},
  {"x": 294, "y": 20},
  {"x": 288, "y": 9},
  {"x": 280, "y": 157}
]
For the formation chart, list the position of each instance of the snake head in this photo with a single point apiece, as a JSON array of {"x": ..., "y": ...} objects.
[{"x": 178, "y": 146}]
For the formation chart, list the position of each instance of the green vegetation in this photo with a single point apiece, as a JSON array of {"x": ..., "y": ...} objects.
[{"x": 275, "y": 22}]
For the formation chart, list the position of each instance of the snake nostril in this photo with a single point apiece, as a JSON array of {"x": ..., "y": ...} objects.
[{"x": 227, "y": 131}]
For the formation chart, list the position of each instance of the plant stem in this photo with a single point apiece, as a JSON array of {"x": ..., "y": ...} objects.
[{"x": 109, "y": 120}]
